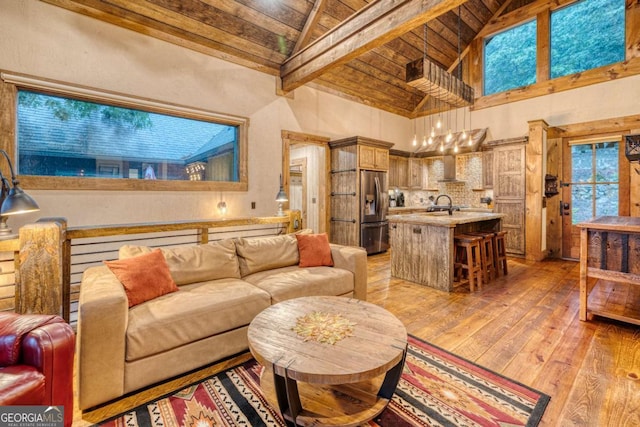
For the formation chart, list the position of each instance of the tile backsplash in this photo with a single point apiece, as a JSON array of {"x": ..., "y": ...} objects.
[{"x": 466, "y": 193}]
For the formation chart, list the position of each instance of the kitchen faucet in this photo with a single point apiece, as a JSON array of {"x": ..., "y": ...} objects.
[{"x": 449, "y": 208}]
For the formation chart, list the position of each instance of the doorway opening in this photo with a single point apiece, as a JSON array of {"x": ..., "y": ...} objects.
[{"x": 305, "y": 176}]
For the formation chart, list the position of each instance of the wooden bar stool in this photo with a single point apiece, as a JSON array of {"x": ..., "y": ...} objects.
[
  {"x": 486, "y": 254},
  {"x": 468, "y": 258},
  {"x": 500, "y": 257}
]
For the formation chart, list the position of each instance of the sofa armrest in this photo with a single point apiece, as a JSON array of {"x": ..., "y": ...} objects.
[
  {"x": 353, "y": 259},
  {"x": 50, "y": 348},
  {"x": 103, "y": 311}
]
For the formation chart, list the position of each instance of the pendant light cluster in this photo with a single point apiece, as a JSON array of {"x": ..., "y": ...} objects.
[{"x": 444, "y": 88}]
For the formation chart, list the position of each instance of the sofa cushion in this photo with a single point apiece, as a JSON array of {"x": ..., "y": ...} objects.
[
  {"x": 196, "y": 263},
  {"x": 314, "y": 250},
  {"x": 293, "y": 282},
  {"x": 265, "y": 253},
  {"x": 144, "y": 277},
  {"x": 194, "y": 312}
]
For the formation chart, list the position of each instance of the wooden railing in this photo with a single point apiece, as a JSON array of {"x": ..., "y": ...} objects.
[{"x": 51, "y": 258}]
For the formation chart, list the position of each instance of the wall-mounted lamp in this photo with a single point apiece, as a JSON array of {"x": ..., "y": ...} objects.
[
  {"x": 13, "y": 200},
  {"x": 281, "y": 197},
  {"x": 222, "y": 208}
]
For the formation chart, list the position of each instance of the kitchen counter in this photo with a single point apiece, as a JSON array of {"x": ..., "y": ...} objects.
[
  {"x": 422, "y": 244},
  {"x": 443, "y": 219}
]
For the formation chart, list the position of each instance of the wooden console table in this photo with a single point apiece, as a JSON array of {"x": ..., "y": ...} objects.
[{"x": 609, "y": 251}]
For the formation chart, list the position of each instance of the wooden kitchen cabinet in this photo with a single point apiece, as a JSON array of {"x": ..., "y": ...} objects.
[
  {"x": 416, "y": 174},
  {"x": 398, "y": 172},
  {"x": 487, "y": 169},
  {"x": 373, "y": 157},
  {"x": 349, "y": 157}
]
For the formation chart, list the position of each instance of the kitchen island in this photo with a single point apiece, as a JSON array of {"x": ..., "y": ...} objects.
[{"x": 422, "y": 245}]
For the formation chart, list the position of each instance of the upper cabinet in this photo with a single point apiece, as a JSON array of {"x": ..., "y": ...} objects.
[
  {"x": 398, "y": 172},
  {"x": 373, "y": 157},
  {"x": 487, "y": 169}
]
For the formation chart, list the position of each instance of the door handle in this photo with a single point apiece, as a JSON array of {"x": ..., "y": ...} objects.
[{"x": 565, "y": 208}]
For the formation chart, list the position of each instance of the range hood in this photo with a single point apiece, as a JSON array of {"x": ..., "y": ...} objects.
[{"x": 450, "y": 169}]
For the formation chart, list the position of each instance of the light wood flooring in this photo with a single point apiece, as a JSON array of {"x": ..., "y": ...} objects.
[{"x": 524, "y": 326}]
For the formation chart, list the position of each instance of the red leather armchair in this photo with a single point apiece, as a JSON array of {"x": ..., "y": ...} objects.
[{"x": 36, "y": 361}]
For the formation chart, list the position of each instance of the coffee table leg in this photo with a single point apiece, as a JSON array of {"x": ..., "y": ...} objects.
[
  {"x": 288, "y": 397},
  {"x": 392, "y": 378}
]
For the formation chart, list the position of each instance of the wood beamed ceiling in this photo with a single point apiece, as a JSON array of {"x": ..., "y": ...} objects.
[{"x": 354, "y": 48}]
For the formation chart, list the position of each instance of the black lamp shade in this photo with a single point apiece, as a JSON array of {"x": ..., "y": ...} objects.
[{"x": 18, "y": 202}]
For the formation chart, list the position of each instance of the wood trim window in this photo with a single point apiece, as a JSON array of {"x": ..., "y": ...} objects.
[
  {"x": 222, "y": 168},
  {"x": 541, "y": 10}
]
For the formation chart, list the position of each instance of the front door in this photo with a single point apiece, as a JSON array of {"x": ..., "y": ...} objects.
[{"x": 590, "y": 186}]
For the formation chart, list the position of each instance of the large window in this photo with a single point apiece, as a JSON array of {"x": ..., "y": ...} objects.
[
  {"x": 60, "y": 136},
  {"x": 586, "y": 35},
  {"x": 510, "y": 59}
]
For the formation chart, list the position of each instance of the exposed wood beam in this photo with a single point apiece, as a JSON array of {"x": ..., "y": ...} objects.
[
  {"x": 464, "y": 53},
  {"x": 310, "y": 25},
  {"x": 370, "y": 27}
]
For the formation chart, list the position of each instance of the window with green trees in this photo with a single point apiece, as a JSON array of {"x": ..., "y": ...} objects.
[
  {"x": 587, "y": 34},
  {"x": 510, "y": 59}
]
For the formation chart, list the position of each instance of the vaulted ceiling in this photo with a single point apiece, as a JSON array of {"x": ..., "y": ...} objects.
[{"x": 355, "y": 48}]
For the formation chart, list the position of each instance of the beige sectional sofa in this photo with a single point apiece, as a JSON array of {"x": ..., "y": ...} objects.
[{"x": 222, "y": 286}]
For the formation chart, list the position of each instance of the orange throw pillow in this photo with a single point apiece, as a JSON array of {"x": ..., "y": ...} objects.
[
  {"x": 314, "y": 250},
  {"x": 144, "y": 277}
]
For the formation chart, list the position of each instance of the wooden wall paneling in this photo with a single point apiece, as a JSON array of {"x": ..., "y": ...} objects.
[
  {"x": 509, "y": 194},
  {"x": 487, "y": 169},
  {"x": 554, "y": 219},
  {"x": 534, "y": 184}
]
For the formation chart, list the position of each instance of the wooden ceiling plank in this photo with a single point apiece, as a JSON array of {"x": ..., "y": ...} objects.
[
  {"x": 98, "y": 10},
  {"x": 190, "y": 16},
  {"x": 372, "y": 26},
  {"x": 286, "y": 29},
  {"x": 287, "y": 11},
  {"x": 310, "y": 25}
]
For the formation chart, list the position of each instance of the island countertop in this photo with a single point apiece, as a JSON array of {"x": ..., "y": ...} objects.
[{"x": 443, "y": 219}]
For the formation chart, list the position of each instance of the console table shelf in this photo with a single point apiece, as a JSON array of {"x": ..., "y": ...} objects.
[{"x": 609, "y": 252}]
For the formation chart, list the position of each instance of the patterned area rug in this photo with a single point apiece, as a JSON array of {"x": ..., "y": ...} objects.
[{"x": 437, "y": 388}]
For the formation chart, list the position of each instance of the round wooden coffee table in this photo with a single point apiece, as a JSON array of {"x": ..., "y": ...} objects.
[{"x": 328, "y": 360}]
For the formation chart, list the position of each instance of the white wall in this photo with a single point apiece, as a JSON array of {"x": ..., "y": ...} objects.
[
  {"x": 616, "y": 98},
  {"x": 49, "y": 42}
]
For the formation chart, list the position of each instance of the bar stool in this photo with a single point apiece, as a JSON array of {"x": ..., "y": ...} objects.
[
  {"x": 486, "y": 254},
  {"x": 500, "y": 257},
  {"x": 467, "y": 257}
]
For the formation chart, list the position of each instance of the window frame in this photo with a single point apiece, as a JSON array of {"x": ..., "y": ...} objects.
[
  {"x": 8, "y": 117},
  {"x": 541, "y": 10}
]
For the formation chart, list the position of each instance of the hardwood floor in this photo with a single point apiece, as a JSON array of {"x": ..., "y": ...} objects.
[{"x": 524, "y": 326}]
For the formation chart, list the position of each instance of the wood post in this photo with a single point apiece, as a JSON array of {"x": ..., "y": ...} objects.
[
  {"x": 41, "y": 272},
  {"x": 535, "y": 220}
]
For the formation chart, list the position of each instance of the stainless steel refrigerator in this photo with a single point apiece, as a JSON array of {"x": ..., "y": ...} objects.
[{"x": 374, "y": 228}]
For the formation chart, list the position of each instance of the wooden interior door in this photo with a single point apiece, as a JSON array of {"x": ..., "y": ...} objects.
[{"x": 591, "y": 186}]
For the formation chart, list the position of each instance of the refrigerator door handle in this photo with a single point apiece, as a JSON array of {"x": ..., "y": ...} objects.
[{"x": 378, "y": 201}]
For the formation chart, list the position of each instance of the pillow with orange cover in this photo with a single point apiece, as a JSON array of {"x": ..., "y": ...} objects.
[
  {"x": 314, "y": 250},
  {"x": 144, "y": 277}
]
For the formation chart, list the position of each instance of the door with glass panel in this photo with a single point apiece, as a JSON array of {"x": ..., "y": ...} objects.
[{"x": 591, "y": 187}]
